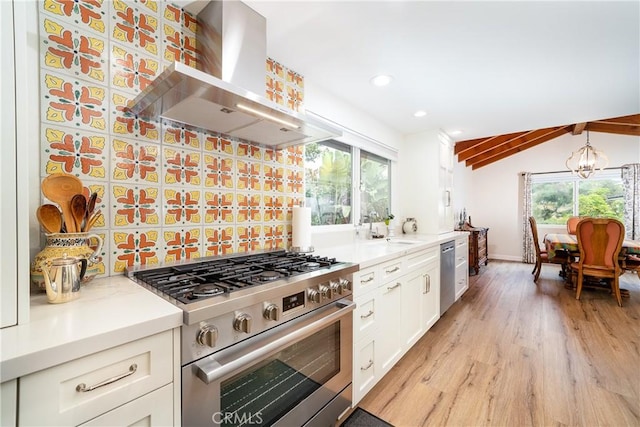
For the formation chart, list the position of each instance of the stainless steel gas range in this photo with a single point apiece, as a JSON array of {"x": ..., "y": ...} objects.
[{"x": 266, "y": 339}]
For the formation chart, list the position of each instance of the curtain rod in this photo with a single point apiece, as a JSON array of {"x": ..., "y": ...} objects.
[{"x": 567, "y": 171}]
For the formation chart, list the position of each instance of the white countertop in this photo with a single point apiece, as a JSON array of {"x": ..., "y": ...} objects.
[
  {"x": 115, "y": 310},
  {"x": 371, "y": 252},
  {"x": 109, "y": 312}
]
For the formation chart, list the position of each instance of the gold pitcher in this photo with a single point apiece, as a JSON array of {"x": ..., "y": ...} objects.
[{"x": 80, "y": 245}]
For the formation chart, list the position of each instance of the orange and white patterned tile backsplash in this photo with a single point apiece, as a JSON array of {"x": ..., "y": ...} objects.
[{"x": 167, "y": 192}]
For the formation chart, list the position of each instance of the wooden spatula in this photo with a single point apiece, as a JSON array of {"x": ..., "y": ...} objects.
[
  {"x": 50, "y": 218},
  {"x": 60, "y": 188},
  {"x": 78, "y": 210}
]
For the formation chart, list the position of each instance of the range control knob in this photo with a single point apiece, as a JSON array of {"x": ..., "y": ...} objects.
[
  {"x": 325, "y": 292},
  {"x": 314, "y": 296},
  {"x": 242, "y": 323},
  {"x": 271, "y": 312},
  {"x": 207, "y": 335},
  {"x": 345, "y": 284},
  {"x": 335, "y": 286}
]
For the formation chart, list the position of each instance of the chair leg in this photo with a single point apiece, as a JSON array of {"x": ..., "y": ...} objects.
[
  {"x": 579, "y": 284},
  {"x": 538, "y": 268},
  {"x": 615, "y": 284}
]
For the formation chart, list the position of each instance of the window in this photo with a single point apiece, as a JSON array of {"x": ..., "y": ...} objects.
[
  {"x": 328, "y": 182},
  {"x": 556, "y": 197},
  {"x": 331, "y": 169},
  {"x": 375, "y": 188}
]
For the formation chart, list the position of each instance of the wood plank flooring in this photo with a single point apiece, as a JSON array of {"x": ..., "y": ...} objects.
[{"x": 512, "y": 352}]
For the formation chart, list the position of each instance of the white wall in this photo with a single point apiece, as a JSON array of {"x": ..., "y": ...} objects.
[{"x": 490, "y": 193}]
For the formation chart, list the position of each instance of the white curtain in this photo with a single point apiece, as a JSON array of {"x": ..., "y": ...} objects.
[
  {"x": 528, "y": 253},
  {"x": 631, "y": 184}
]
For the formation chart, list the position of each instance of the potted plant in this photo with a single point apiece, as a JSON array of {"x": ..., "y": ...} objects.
[{"x": 388, "y": 219}]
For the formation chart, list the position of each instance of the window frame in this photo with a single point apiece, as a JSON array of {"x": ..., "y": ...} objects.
[
  {"x": 612, "y": 173},
  {"x": 355, "y": 187}
]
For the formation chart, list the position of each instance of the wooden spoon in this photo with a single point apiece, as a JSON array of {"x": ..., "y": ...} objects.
[
  {"x": 60, "y": 188},
  {"x": 91, "y": 205},
  {"x": 92, "y": 220},
  {"x": 50, "y": 218},
  {"x": 78, "y": 210}
]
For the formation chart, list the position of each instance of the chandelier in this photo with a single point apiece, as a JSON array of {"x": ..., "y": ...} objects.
[{"x": 586, "y": 161}]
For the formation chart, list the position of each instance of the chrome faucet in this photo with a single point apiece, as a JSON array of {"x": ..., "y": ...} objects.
[{"x": 371, "y": 217}]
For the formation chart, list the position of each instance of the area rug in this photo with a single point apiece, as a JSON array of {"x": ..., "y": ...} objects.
[{"x": 362, "y": 418}]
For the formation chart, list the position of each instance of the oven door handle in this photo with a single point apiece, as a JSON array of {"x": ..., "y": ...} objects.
[{"x": 211, "y": 369}]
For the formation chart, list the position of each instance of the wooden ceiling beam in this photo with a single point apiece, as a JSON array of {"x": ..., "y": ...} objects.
[
  {"x": 461, "y": 146},
  {"x": 550, "y": 134},
  {"x": 489, "y": 144},
  {"x": 578, "y": 128},
  {"x": 632, "y": 119},
  {"x": 620, "y": 129}
]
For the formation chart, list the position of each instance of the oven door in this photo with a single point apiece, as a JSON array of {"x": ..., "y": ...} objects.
[{"x": 283, "y": 376}]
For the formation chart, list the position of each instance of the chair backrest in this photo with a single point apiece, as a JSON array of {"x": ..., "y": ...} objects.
[
  {"x": 600, "y": 241},
  {"x": 534, "y": 231},
  {"x": 572, "y": 224}
]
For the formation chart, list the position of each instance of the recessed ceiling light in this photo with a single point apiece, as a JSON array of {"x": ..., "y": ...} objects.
[
  {"x": 420, "y": 113},
  {"x": 381, "y": 80},
  {"x": 455, "y": 132}
]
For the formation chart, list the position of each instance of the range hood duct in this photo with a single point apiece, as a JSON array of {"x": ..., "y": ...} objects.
[{"x": 222, "y": 96}]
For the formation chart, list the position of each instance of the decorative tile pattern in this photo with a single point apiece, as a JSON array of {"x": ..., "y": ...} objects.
[
  {"x": 135, "y": 161},
  {"x": 131, "y": 125},
  {"x": 181, "y": 207},
  {"x": 74, "y": 152},
  {"x": 181, "y": 244},
  {"x": 134, "y": 247},
  {"x": 166, "y": 192},
  {"x": 135, "y": 27},
  {"x": 87, "y": 14},
  {"x": 130, "y": 70},
  {"x": 66, "y": 50},
  {"x": 70, "y": 102},
  {"x": 219, "y": 207},
  {"x": 181, "y": 167},
  {"x": 219, "y": 240},
  {"x": 135, "y": 206}
]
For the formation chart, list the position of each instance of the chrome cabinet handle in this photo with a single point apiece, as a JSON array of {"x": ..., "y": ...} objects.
[
  {"x": 82, "y": 387},
  {"x": 366, "y": 280},
  {"x": 427, "y": 283},
  {"x": 390, "y": 288},
  {"x": 364, "y": 368},
  {"x": 369, "y": 314},
  {"x": 393, "y": 270}
]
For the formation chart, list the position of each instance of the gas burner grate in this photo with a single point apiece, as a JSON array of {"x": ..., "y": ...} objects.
[{"x": 192, "y": 282}]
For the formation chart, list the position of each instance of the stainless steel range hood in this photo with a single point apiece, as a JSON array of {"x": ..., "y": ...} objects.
[{"x": 223, "y": 96}]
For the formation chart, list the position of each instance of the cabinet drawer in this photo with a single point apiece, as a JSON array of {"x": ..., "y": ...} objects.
[
  {"x": 422, "y": 258},
  {"x": 153, "y": 409},
  {"x": 364, "y": 317},
  {"x": 364, "y": 368},
  {"x": 391, "y": 269},
  {"x": 126, "y": 372},
  {"x": 364, "y": 280}
]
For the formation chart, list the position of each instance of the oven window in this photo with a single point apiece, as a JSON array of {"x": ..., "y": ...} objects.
[{"x": 264, "y": 392}]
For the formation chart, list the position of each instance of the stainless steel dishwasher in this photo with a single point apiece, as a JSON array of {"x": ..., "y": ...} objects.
[{"x": 447, "y": 275}]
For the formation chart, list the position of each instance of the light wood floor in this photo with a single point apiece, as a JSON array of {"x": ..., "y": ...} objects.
[{"x": 514, "y": 353}]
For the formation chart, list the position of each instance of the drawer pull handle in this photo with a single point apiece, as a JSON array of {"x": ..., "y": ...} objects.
[
  {"x": 82, "y": 387},
  {"x": 364, "y": 368},
  {"x": 367, "y": 280},
  {"x": 427, "y": 283},
  {"x": 393, "y": 270},
  {"x": 390, "y": 288},
  {"x": 369, "y": 314}
]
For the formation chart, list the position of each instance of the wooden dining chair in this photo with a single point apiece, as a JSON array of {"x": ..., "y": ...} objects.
[
  {"x": 599, "y": 242},
  {"x": 572, "y": 224},
  {"x": 542, "y": 256}
]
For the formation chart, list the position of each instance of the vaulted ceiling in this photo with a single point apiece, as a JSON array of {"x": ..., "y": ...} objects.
[{"x": 480, "y": 152}]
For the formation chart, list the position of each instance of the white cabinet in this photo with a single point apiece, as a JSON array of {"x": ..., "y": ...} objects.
[
  {"x": 131, "y": 379},
  {"x": 462, "y": 265},
  {"x": 9, "y": 403},
  {"x": 397, "y": 302},
  {"x": 428, "y": 180},
  {"x": 389, "y": 338}
]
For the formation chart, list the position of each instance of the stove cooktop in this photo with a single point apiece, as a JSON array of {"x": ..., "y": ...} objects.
[{"x": 197, "y": 281}]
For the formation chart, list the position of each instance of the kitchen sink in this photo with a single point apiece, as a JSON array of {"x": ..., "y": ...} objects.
[{"x": 402, "y": 242}]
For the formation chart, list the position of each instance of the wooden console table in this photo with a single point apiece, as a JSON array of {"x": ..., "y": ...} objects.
[{"x": 478, "y": 246}]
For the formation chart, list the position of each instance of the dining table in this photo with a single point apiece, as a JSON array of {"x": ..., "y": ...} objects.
[{"x": 569, "y": 243}]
